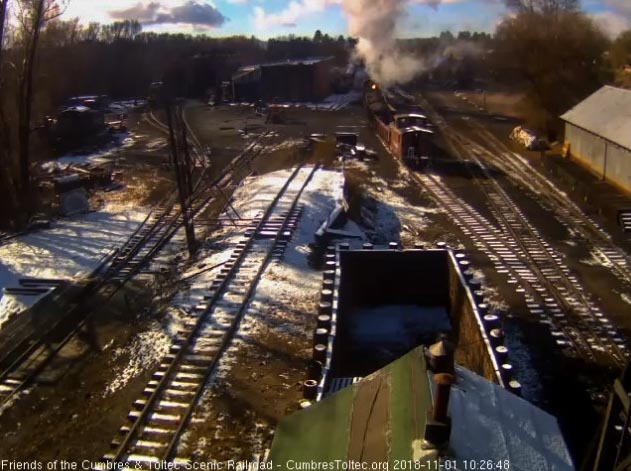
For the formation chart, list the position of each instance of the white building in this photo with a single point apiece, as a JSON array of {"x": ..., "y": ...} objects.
[{"x": 598, "y": 132}]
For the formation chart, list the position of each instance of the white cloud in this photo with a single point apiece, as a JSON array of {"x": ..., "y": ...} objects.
[
  {"x": 621, "y": 6},
  {"x": 612, "y": 23},
  {"x": 203, "y": 13},
  {"x": 298, "y": 9},
  {"x": 294, "y": 11}
]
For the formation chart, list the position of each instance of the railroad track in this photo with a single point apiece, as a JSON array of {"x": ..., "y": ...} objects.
[
  {"x": 200, "y": 156},
  {"x": 568, "y": 214},
  {"x": 161, "y": 416},
  {"x": 5, "y": 236},
  {"x": 32, "y": 350},
  {"x": 552, "y": 293},
  {"x": 166, "y": 218},
  {"x": 565, "y": 210}
]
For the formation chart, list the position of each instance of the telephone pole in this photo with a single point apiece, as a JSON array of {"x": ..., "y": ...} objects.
[{"x": 182, "y": 176}]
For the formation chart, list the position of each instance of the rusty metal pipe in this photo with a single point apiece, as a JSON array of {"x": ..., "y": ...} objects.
[{"x": 443, "y": 383}]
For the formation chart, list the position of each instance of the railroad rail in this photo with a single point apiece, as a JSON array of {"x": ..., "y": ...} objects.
[
  {"x": 32, "y": 350},
  {"x": 581, "y": 331},
  {"x": 552, "y": 293},
  {"x": 161, "y": 416},
  {"x": 198, "y": 148},
  {"x": 5, "y": 236},
  {"x": 566, "y": 211}
]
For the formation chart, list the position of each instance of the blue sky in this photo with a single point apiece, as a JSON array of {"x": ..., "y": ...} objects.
[{"x": 268, "y": 18}]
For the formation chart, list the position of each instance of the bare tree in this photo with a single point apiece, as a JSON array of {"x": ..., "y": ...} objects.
[
  {"x": 560, "y": 58},
  {"x": 543, "y": 6},
  {"x": 3, "y": 15},
  {"x": 33, "y": 15},
  {"x": 621, "y": 50},
  {"x": 6, "y": 171}
]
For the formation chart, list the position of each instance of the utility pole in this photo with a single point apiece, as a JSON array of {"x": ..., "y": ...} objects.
[
  {"x": 184, "y": 192},
  {"x": 188, "y": 174}
]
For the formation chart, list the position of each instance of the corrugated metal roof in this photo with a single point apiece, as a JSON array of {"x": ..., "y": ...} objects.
[
  {"x": 305, "y": 61},
  {"x": 416, "y": 129},
  {"x": 247, "y": 75},
  {"x": 253, "y": 72},
  {"x": 606, "y": 113},
  {"x": 410, "y": 115}
]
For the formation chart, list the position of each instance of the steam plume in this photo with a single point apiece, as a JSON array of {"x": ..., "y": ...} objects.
[{"x": 374, "y": 23}]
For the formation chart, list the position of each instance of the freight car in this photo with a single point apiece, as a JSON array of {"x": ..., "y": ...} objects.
[{"x": 405, "y": 135}]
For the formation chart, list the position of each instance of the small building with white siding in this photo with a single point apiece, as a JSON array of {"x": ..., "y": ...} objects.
[{"x": 598, "y": 134}]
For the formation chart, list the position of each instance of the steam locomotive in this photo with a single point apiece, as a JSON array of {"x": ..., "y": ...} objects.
[{"x": 406, "y": 134}]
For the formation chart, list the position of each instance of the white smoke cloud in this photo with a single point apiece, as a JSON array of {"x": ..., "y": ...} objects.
[
  {"x": 375, "y": 24},
  {"x": 616, "y": 20},
  {"x": 621, "y": 6},
  {"x": 612, "y": 24}
]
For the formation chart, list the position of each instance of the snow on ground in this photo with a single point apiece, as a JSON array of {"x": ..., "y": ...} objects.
[
  {"x": 491, "y": 294},
  {"x": 127, "y": 105},
  {"x": 387, "y": 214},
  {"x": 342, "y": 100},
  {"x": 250, "y": 200},
  {"x": 596, "y": 259},
  {"x": 331, "y": 103},
  {"x": 288, "y": 283},
  {"x": 148, "y": 347},
  {"x": 286, "y": 144},
  {"x": 145, "y": 350},
  {"x": 294, "y": 282},
  {"x": 98, "y": 157},
  {"x": 286, "y": 292},
  {"x": 72, "y": 247},
  {"x": 156, "y": 144}
]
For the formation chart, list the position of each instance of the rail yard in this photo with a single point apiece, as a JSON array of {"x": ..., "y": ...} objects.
[
  {"x": 315, "y": 235},
  {"x": 153, "y": 356}
]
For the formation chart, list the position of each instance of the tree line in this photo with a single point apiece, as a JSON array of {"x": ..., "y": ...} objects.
[
  {"x": 45, "y": 60},
  {"x": 550, "y": 48}
]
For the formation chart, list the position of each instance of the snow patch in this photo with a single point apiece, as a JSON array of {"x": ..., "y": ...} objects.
[
  {"x": 72, "y": 247},
  {"x": 144, "y": 351},
  {"x": 95, "y": 158},
  {"x": 596, "y": 260}
]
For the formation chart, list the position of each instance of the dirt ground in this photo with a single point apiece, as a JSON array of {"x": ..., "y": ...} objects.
[
  {"x": 596, "y": 199},
  {"x": 77, "y": 420},
  {"x": 71, "y": 403},
  {"x": 68, "y": 405}
]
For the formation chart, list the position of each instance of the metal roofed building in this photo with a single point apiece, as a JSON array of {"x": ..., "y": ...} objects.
[
  {"x": 598, "y": 132},
  {"x": 297, "y": 80}
]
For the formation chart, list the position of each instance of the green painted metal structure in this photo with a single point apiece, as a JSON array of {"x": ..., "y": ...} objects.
[{"x": 380, "y": 419}]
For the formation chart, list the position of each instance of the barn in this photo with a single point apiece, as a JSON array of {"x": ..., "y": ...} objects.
[
  {"x": 297, "y": 80},
  {"x": 598, "y": 134}
]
